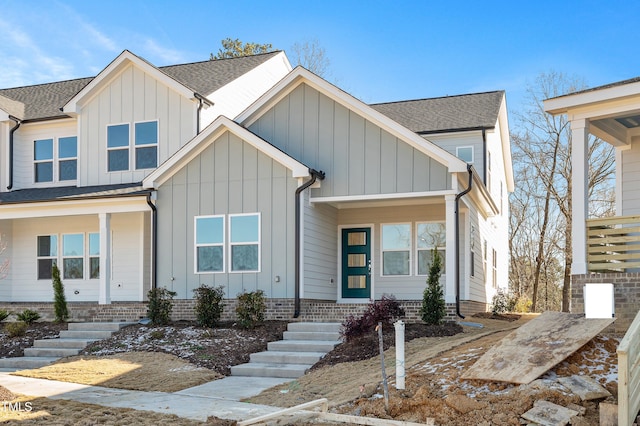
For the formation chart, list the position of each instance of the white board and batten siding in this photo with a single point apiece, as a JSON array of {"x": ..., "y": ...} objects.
[
  {"x": 629, "y": 175},
  {"x": 132, "y": 96},
  {"x": 24, "y": 137},
  {"x": 127, "y": 258},
  {"x": 229, "y": 177},
  {"x": 358, "y": 157}
]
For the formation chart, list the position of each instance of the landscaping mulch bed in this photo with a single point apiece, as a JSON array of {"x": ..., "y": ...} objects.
[{"x": 14, "y": 346}]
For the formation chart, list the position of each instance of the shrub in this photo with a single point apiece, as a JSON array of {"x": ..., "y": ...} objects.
[
  {"x": 59, "y": 300},
  {"x": 384, "y": 310},
  {"x": 160, "y": 305},
  {"x": 522, "y": 304},
  {"x": 251, "y": 308},
  {"x": 4, "y": 314},
  {"x": 28, "y": 316},
  {"x": 209, "y": 305},
  {"x": 433, "y": 308},
  {"x": 502, "y": 303},
  {"x": 16, "y": 329}
]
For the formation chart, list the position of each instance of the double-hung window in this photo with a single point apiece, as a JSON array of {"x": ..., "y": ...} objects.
[
  {"x": 73, "y": 256},
  {"x": 396, "y": 249},
  {"x": 209, "y": 247},
  {"x": 94, "y": 256},
  {"x": 47, "y": 254},
  {"x": 43, "y": 160},
  {"x": 145, "y": 146},
  {"x": 118, "y": 147},
  {"x": 244, "y": 242},
  {"x": 430, "y": 236},
  {"x": 68, "y": 158}
]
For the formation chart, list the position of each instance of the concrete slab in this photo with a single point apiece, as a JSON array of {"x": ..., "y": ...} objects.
[
  {"x": 585, "y": 387},
  {"x": 233, "y": 388},
  {"x": 546, "y": 413}
]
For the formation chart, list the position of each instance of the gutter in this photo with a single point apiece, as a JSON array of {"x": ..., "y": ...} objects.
[
  {"x": 11, "y": 132},
  {"x": 484, "y": 154},
  {"x": 314, "y": 176},
  {"x": 154, "y": 237},
  {"x": 201, "y": 102},
  {"x": 457, "y": 228}
]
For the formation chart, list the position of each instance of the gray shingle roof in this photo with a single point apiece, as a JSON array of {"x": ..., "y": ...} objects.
[
  {"x": 43, "y": 101},
  {"x": 461, "y": 112},
  {"x": 604, "y": 86},
  {"x": 62, "y": 193}
]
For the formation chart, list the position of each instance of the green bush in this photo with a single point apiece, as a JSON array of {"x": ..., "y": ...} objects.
[
  {"x": 251, "y": 308},
  {"x": 502, "y": 303},
  {"x": 59, "y": 300},
  {"x": 160, "y": 305},
  {"x": 4, "y": 314},
  {"x": 16, "y": 329},
  {"x": 433, "y": 308},
  {"x": 28, "y": 316},
  {"x": 209, "y": 305}
]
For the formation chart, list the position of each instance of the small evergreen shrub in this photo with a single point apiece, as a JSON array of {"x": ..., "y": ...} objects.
[
  {"x": 160, "y": 305},
  {"x": 433, "y": 308},
  {"x": 4, "y": 314},
  {"x": 28, "y": 316},
  {"x": 251, "y": 308},
  {"x": 59, "y": 300},
  {"x": 16, "y": 329},
  {"x": 385, "y": 310},
  {"x": 209, "y": 305},
  {"x": 502, "y": 303}
]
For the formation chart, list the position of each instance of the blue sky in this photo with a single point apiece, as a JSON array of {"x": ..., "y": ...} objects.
[{"x": 379, "y": 50}]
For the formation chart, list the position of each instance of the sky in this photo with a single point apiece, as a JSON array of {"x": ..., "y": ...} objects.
[{"x": 379, "y": 51}]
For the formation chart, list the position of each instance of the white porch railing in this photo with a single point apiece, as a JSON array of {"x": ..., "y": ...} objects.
[
  {"x": 629, "y": 374},
  {"x": 613, "y": 244}
]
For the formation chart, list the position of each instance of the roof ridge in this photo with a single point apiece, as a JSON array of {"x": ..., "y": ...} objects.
[
  {"x": 220, "y": 59},
  {"x": 439, "y": 97}
]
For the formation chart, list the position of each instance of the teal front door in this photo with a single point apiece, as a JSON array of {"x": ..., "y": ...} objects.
[{"x": 356, "y": 263}]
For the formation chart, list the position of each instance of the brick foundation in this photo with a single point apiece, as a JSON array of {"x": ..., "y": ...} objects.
[
  {"x": 626, "y": 288},
  {"x": 277, "y": 309}
]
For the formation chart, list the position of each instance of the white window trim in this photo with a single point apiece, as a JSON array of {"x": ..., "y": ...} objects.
[
  {"x": 196, "y": 245},
  {"x": 59, "y": 257},
  {"x": 409, "y": 249},
  {"x": 132, "y": 142},
  {"x": 439, "y": 248},
  {"x": 59, "y": 159},
  {"x": 259, "y": 243},
  {"x": 473, "y": 153},
  {"x": 52, "y": 161},
  {"x": 90, "y": 256},
  {"x": 38, "y": 257},
  {"x": 119, "y": 148}
]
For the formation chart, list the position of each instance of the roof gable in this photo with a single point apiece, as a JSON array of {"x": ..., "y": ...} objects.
[
  {"x": 300, "y": 75},
  {"x": 446, "y": 114},
  {"x": 205, "y": 138}
]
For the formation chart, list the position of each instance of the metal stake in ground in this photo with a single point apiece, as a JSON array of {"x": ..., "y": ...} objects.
[{"x": 384, "y": 372}]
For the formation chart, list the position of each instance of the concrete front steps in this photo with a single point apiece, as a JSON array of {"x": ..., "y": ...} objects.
[
  {"x": 70, "y": 342},
  {"x": 303, "y": 345}
]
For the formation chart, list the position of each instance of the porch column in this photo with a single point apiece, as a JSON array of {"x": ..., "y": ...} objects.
[
  {"x": 450, "y": 261},
  {"x": 579, "y": 194},
  {"x": 104, "y": 297}
]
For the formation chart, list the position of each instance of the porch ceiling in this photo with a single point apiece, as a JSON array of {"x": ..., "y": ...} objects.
[{"x": 384, "y": 200}]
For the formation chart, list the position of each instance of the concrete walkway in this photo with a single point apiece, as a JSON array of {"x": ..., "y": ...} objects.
[{"x": 220, "y": 398}]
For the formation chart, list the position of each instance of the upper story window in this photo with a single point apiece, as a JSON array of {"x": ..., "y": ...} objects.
[
  {"x": 55, "y": 159},
  {"x": 465, "y": 153},
  {"x": 144, "y": 151}
]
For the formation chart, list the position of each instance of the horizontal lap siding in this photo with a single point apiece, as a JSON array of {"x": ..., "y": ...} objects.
[
  {"x": 358, "y": 157},
  {"x": 630, "y": 177},
  {"x": 228, "y": 177}
]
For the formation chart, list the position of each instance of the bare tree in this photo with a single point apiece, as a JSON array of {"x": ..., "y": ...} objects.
[
  {"x": 312, "y": 56},
  {"x": 543, "y": 146}
]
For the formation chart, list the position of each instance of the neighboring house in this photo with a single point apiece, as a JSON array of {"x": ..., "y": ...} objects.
[
  {"x": 74, "y": 154},
  {"x": 319, "y": 200},
  {"x": 606, "y": 250}
]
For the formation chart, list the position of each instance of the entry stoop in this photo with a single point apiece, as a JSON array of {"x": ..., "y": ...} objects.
[
  {"x": 303, "y": 345},
  {"x": 71, "y": 342}
]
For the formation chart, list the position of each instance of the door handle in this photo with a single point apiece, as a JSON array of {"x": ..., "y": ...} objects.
[{"x": 369, "y": 267}]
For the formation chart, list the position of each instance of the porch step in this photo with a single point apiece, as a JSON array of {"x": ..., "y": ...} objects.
[
  {"x": 304, "y": 344},
  {"x": 70, "y": 342}
]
